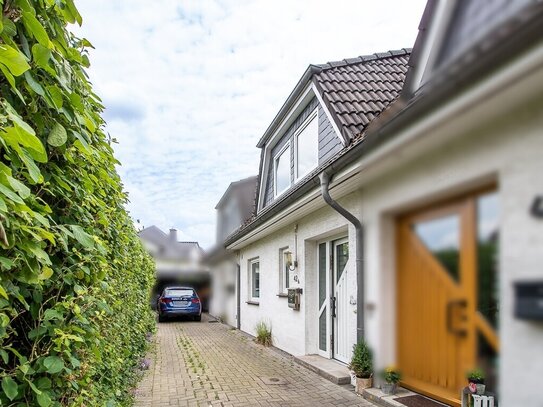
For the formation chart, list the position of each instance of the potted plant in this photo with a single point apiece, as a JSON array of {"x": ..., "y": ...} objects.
[
  {"x": 476, "y": 380},
  {"x": 362, "y": 366},
  {"x": 391, "y": 377}
]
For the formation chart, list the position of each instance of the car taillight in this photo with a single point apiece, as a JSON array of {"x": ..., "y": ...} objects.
[
  {"x": 196, "y": 301},
  {"x": 165, "y": 300}
]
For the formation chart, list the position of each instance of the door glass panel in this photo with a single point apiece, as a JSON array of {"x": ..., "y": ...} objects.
[
  {"x": 441, "y": 237},
  {"x": 487, "y": 256},
  {"x": 322, "y": 274},
  {"x": 322, "y": 330},
  {"x": 342, "y": 255}
]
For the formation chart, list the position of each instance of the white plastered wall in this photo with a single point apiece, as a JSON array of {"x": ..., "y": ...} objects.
[
  {"x": 296, "y": 331},
  {"x": 508, "y": 150}
]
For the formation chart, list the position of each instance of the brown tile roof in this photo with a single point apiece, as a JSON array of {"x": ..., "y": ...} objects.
[{"x": 356, "y": 90}]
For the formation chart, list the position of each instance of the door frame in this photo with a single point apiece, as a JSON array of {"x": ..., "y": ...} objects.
[{"x": 463, "y": 204}]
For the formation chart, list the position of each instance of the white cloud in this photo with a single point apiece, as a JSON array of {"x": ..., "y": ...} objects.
[{"x": 190, "y": 86}]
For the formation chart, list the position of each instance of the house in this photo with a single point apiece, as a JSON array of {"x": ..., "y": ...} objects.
[
  {"x": 176, "y": 262},
  {"x": 406, "y": 205},
  {"x": 235, "y": 207},
  {"x": 296, "y": 240}
]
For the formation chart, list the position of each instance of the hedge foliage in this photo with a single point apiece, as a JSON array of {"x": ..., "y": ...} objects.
[{"x": 74, "y": 278}]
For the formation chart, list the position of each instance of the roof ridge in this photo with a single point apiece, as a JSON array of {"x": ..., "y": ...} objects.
[{"x": 363, "y": 58}]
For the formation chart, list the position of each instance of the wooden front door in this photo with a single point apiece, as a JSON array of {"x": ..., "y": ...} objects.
[{"x": 447, "y": 295}]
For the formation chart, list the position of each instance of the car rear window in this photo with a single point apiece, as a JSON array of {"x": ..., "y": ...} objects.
[{"x": 179, "y": 292}]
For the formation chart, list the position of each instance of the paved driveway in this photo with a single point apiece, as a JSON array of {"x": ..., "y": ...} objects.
[{"x": 209, "y": 364}]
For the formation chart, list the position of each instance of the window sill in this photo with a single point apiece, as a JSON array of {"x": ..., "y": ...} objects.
[
  {"x": 282, "y": 295},
  {"x": 252, "y": 303}
]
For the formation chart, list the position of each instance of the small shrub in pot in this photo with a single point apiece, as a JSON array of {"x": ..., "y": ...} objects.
[
  {"x": 391, "y": 377},
  {"x": 476, "y": 380},
  {"x": 362, "y": 366}
]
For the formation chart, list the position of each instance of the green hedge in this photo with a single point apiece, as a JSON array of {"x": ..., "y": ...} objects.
[{"x": 74, "y": 278}]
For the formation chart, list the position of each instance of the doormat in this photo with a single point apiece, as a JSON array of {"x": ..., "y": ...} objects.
[{"x": 418, "y": 401}]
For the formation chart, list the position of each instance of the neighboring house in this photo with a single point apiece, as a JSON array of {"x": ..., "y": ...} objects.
[
  {"x": 235, "y": 207},
  {"x": 176, "y": 262},
  {"x": 442, "y": 196}
]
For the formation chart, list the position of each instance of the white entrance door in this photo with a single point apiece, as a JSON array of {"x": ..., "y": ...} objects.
[
  {"x": 325, "y": 329},
  {"x": 340, "y": 255}
]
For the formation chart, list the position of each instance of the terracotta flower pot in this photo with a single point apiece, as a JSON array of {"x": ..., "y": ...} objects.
[{"x": 362, "y": 384}]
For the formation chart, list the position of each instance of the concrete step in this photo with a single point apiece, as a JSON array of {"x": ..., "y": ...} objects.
[{"x": 330, "y": 369}]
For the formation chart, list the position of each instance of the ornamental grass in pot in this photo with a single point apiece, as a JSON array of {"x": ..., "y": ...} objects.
[{"x": 362, "y": 366}]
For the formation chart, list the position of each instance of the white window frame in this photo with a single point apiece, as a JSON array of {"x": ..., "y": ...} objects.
[
  {"x": 286, "y": 147},
  {"x": 312, "y": 116},
  {"x": 250, "y": 279},
  {"x": 283, "y": 281}
]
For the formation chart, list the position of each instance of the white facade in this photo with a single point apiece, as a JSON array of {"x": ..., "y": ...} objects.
[
  {"x": 296, "y": 331},
  {"x": 223, "y": 302},
  {"x": 491, "y": 134}
]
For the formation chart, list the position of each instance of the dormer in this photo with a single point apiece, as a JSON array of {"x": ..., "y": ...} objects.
[{"x": 329, "y": 108}]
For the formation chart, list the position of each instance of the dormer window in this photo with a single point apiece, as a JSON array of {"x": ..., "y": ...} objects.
[
  {"x": 307, "y": 146},
  {"x": 282, "y": 170}
]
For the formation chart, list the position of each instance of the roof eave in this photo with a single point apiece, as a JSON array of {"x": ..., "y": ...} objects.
[{"x": 289, "y": 103}]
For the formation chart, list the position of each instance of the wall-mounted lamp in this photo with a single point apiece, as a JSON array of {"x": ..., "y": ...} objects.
[
  {"x": 292, "y": 265},
  {"x": 537, "y": 207}
]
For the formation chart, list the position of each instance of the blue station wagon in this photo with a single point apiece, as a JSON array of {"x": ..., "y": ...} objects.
[{"x": 179, "y": 301}]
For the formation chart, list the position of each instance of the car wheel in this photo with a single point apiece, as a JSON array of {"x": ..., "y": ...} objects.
[
  {"x": 161, "y": 318},
  {"x": 198, "y": 318}
]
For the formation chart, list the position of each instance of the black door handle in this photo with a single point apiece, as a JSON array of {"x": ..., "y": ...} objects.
[
  {"x": 451, "y": 305},
  {"x": 333, "y": 305}
]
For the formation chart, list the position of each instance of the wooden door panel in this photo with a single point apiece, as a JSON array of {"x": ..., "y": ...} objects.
[{"x": 428, "y": 354}]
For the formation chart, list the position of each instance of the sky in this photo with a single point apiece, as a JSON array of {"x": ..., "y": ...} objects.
[{"x": 190, "y": 86}]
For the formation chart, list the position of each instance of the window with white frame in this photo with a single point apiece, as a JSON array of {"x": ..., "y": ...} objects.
[
  {"x": 307, "y": 146},
  {"x": 281, "y": 164},
  {"x": 254, "y": 280},
  {"x": 285, "y": 264}
]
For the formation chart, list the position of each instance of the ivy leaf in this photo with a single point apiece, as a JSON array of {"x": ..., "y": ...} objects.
[
  {"x": 42, "y": 55},
  {"x": 8, "y": 193},
  {"x": 13, "y": 59},
  {"x": 9, "y": 27},
  {"x": 35, "y": 86},
  {"x": 3, "y": 206},
  {"x": 36, "y": 29},
  {"x": 82, "y": 237},
  {"x": 46, "y": 273},
  {"x": 33, "y": 170},
  {"x": 57, "y": 136},
  {"x": 56, "y": 96},
  {"x": 10, "y": 387},
  {"x": 43, "y": 399},
  {"x": 15, "y": 118},
  {"x": 53, "y": 364},
  {"x": 18, "y": 186}
]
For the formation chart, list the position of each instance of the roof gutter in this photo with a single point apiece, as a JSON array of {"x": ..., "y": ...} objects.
[{"x": 325, "y": 178}]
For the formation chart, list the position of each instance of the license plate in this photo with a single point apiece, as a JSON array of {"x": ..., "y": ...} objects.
[{"x": 180, "y": 303}]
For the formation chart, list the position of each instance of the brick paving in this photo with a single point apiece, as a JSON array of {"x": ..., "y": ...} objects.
[{"x": 209, "y": 364}]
